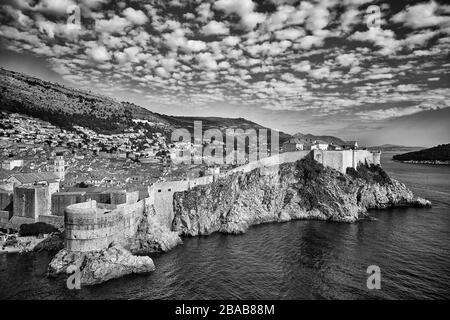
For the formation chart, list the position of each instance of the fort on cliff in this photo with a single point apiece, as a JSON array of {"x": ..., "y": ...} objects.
[{"x": 93, "y": 226}]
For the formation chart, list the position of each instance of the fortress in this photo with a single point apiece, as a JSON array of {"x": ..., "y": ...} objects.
[{"x": 93, "y": 226}]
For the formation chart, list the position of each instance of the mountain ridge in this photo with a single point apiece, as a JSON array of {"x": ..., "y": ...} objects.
[
  {"x": 310, "y": 138},
  {"x": 66, "y": 107}
]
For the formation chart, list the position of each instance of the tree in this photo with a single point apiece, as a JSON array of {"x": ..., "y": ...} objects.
[{"x": 36, "y": 229}]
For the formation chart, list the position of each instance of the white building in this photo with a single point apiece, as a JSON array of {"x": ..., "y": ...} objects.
[
  {"x": 11, "y": 164},
  {"x": 319, "y": 145}
]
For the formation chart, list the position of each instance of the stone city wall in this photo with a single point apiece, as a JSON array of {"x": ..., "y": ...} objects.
[
  {"x": 30, "y": 202},
  {"x": 6, "y": 201},
  {"x": 64, "y": 199},
  {"x": 4, "y": 219}
]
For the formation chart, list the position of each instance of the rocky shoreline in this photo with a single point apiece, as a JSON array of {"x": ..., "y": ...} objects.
[
  {"x": 99, "y": 266},
  {"x": 305, "y": 190},
  {"x": 292, "y": 191}
]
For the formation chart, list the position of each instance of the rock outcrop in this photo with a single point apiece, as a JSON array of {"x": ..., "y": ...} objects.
[
  {"x": 301, "y": 190},
  {"x": 100, "y": 266}
]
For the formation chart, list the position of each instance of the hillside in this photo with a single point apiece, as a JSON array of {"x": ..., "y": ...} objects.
[
  {"x": 310, "y": 138},
  {"x": 66, "y": 107},
  {"x": 439, "y": 153},
  {"x": 394, "y": 147}
]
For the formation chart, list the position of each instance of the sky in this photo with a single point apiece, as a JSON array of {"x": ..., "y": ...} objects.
[{"x": 372, "y": 71}]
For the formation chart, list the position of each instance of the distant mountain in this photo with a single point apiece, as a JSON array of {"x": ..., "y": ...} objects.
[
  {"x": 394, "y": 147},
  {"x": 440, "y": 153},
  {"x": 218, "y": 123},
  {"x": 66, "y": 107},
  {"x": 311, "y": 138}
]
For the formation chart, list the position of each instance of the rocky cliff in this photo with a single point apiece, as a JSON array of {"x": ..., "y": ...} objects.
[
  {"x": 301, "y": 190},
  {"x": 151, "y": 236}
]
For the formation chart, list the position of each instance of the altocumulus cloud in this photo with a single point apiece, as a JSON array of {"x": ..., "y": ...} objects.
[{"x": 314, "y": 58}]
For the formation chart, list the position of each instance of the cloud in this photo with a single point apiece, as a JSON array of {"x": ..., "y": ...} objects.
[
  {"x": 289, "y": 34},
  {"x": 303, "y": 66},
  {"x": 419, "y": 39},
  {"x": 18, "y": 16},
  {"x": 307, "y": 42},
  {"x": 284, "y": 54},
  {"x": 383, "y": 38},
  {"x": 215, "y": 28},
  {"x": 347, "y": 60},
  {"x": 240, "y": 7},
  {"x": 244, "y": 9},
  {"x": 52, "y": 7},
  {"x": 174, "y": 39},
  {"x": 320, "y": 73},
  {"x": 114, "y": 25},
  {"x": 231, "y": 41},
  {"x": 204, "y": 12},
  {"x": 162, "y": 72},
  {"x": 252, "y": 19},
  {"x": 14, "y": 34},
  {"x": 98, "y": 53},
  {"x": 207, "y": 61},
  {"x": 94, "y": 4},
  {"x": 382, "y": 114},
  {"x": 349, "y": 18},
  {"x": 378, "y": 76},
  {"x": 279, "y": 18},
  {"x": 195, "y": 45},
  {"x": 407, "y": 88},
  {"x": 136, "y": 17},
  {"x": 318, "y": 18},
  {"x": 420, "y": 15}
]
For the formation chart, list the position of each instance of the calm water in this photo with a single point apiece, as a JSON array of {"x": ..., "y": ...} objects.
[{"x": 294, "y": 260}]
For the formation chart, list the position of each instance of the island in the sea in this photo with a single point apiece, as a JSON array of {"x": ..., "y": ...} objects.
[{"x": 436, "y": 155}]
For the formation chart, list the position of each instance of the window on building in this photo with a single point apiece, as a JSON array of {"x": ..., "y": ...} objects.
[
  {"x": 159, "y": 190},
  {"x": 169, "y": 190}
]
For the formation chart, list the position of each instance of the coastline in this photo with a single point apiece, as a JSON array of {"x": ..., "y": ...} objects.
[
  {"x": 304, "y": 190},
  {"x": 429, "y": 162}
]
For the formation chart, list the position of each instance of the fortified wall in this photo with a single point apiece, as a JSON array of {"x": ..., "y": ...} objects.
[
  {"x": 338, "y": 160},
  {"x": 343, "y": 159},
  {"x": 93, "y": 226}
]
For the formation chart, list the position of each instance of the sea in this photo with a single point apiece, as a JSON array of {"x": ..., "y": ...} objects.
[{"x": 292, "y": 260}]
